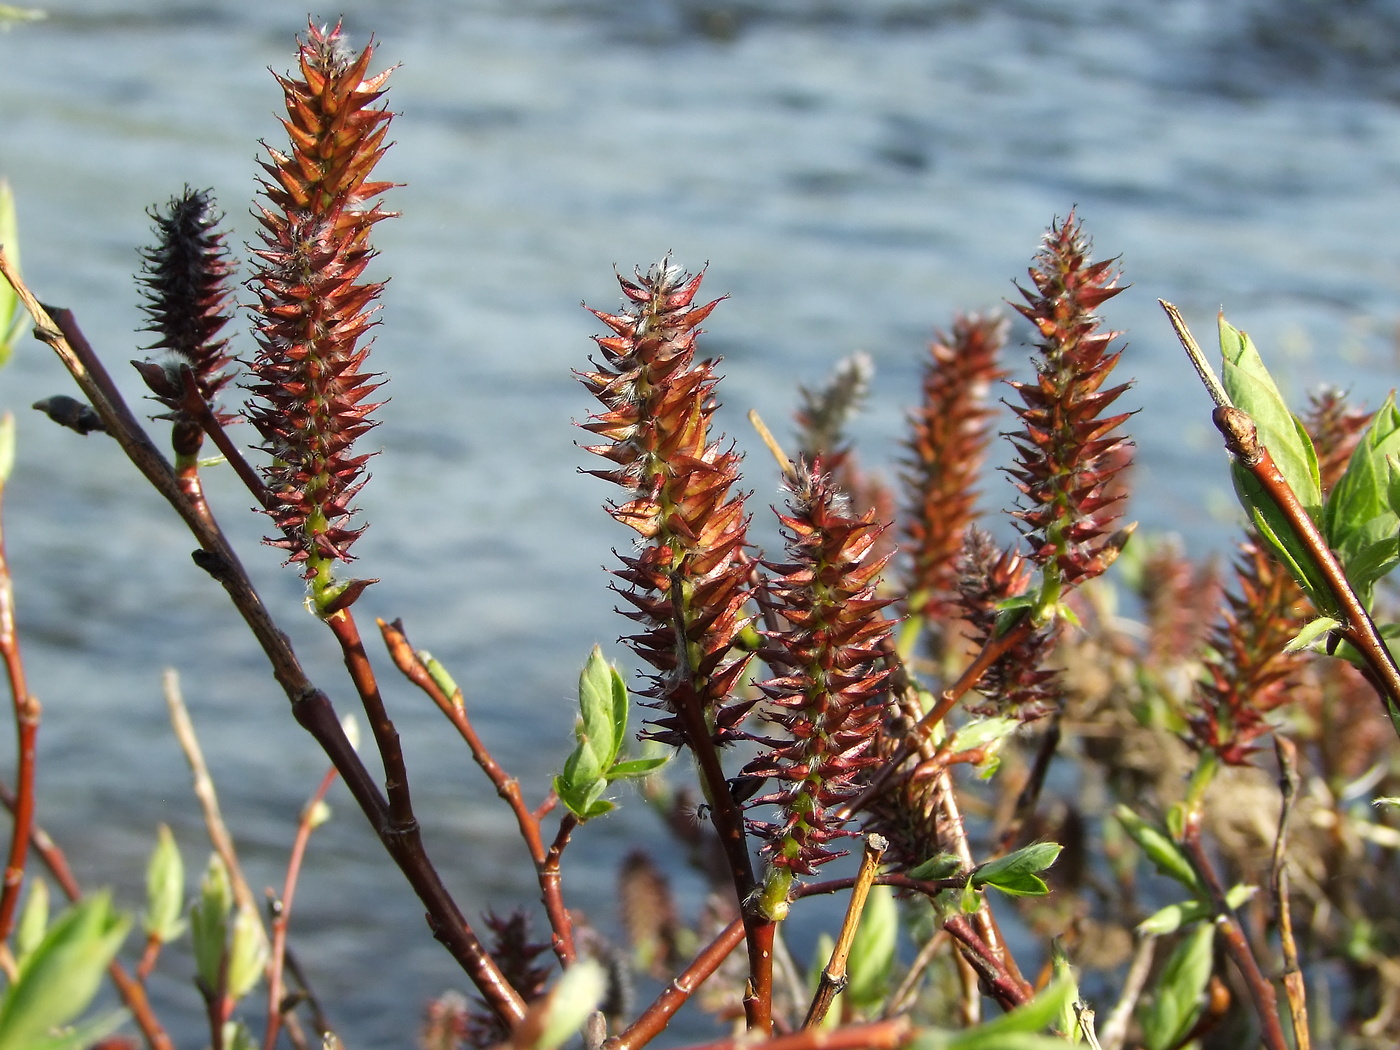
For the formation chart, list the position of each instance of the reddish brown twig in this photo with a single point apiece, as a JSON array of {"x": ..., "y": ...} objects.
[
  {"x": 1261, "y": 990},
  {"x": 507, "y": 787},
  {"x": 990, "y": 653},
  {"x": 1008, "y": 990},
  {"x": 1357, "y": 627},
  {"x": 283, "y": 914},
  {"x": 27, "y": 710},
  {"x": 311, "y": 707},
  {"x": 386, "y": 736},
  {"x": 131, "y": 991},
  {"x": 872, "y": 1035},
  {"x": 654, "y": 1019}
]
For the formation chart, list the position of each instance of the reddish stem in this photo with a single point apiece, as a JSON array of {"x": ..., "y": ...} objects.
[
  {"x": 990, "y": 653},
  {"x": 284, "y": 910},
  {"x": 1261, "y": 990},
  {"x": 654, "y": 1019},
  {"x": 27, "y": 711},
  {"x": 1242, "y": 440},
  {"x": 872, "y": 1035},
  {"x": 386, "y": 737},
  {"x": 507, "y": 787},
  {"x": 198, "y": 409},
  {"x": 1007, "y": 989}
]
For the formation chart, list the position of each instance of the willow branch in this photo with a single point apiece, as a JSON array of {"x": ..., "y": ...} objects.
[
  {"x": 283, "y": 911},
  {"x": 871, "y": 1035},
  {"x": 26, "y": 712},
  {"x": 386, "y": 736},
  {"x": 1261, "y": 990},
  {"x": 654, "y": 1019},
  {"x": 311, "y": 707},
  {"x": 833, "y": 978},
  {"x": 1357, "y": 627},
  {"x": 205, "y": 792},
  {"x": 507, "y": 787}
]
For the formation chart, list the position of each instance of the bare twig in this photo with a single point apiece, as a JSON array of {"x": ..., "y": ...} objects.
[
  {"x": 872, "y": 1035},
  {"x": 205, "y": 792},
  {"x": 1293, "y": 987},
  {"x": 1115, "y": 1029},
  {"x": 1261, "y": 990},
  {"x": 833, "y": 978},
  {"x": 26, "y": 712},
  {"x": 654, "y": 1019},
  {"x": 310, "y": 706},
  {"x": 283, "y": 912},
  {"x": 386, "y": 736},
  {"x": 1007, "y": 990},
  {"x": 507, "y": 787}
]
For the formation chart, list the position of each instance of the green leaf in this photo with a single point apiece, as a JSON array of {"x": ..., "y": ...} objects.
[
  {"x": 165, "y": 889},
  {"x": 1008, "y": 1031},
  {"x": 1360, "y": 501},
  {"x": 238, "y": 1036},
  {"x": 583, "y": 798},
  {"x": 63, "y": 973},
  {"x": 637, "y": 767},
  {"x": 1160, "y": 849},
  {"x": 939, "y": 866},
  {"x": 600, "y": 731},
  {"x": 1252, "y": 389},
  {"x": 444, "y": 681},
  {"x": 602, "y": 701},
  {"x": 983, "y": 732},
  {"x": 1276, "y": 531},
  {"x": 247, "y": 953},
  {"x": 873, "y": 950},
  {"x": 1015, "y": 873},
  {"x": 1067, "y": 1023},
  {"x": 1174, "y": 916},
  {"x": 1180, "y": 992},
  {"x": 209, "y": 922},
  {"x": 84, "y": 1035},
  {"x": 11, "y": 314},
  {"x": 579, "y": 992},
  {"x": 33, "y": 921},
  {"x": 1311, "y": 632}
]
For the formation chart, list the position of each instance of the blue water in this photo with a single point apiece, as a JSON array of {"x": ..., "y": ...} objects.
[{"x": 851, "y": 180}]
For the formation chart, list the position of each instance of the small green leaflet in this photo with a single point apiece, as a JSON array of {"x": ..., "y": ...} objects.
[
  {"x": 1016, "y": 873},
  {"x": 1253, "y": 390},
  {"x": 600, "y": 732}
]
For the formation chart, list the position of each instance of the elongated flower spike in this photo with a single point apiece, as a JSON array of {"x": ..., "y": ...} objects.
[
  {"x": 186, "y": 280},
  {"x": 832, "y": 698},
  {"x": 309, "y": 398},
  {"x": 1019, "y": 684},
  {"x": 1068, "y": 453},
  {"x": 949, "y": 435},
  {"x": 689, "y": 580}
]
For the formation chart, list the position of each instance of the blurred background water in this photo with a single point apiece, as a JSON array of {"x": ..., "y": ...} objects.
[{"x": 852, "y": 173}]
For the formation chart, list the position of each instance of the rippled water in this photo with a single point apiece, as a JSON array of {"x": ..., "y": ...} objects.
[{"x": 851, "y": 179}]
